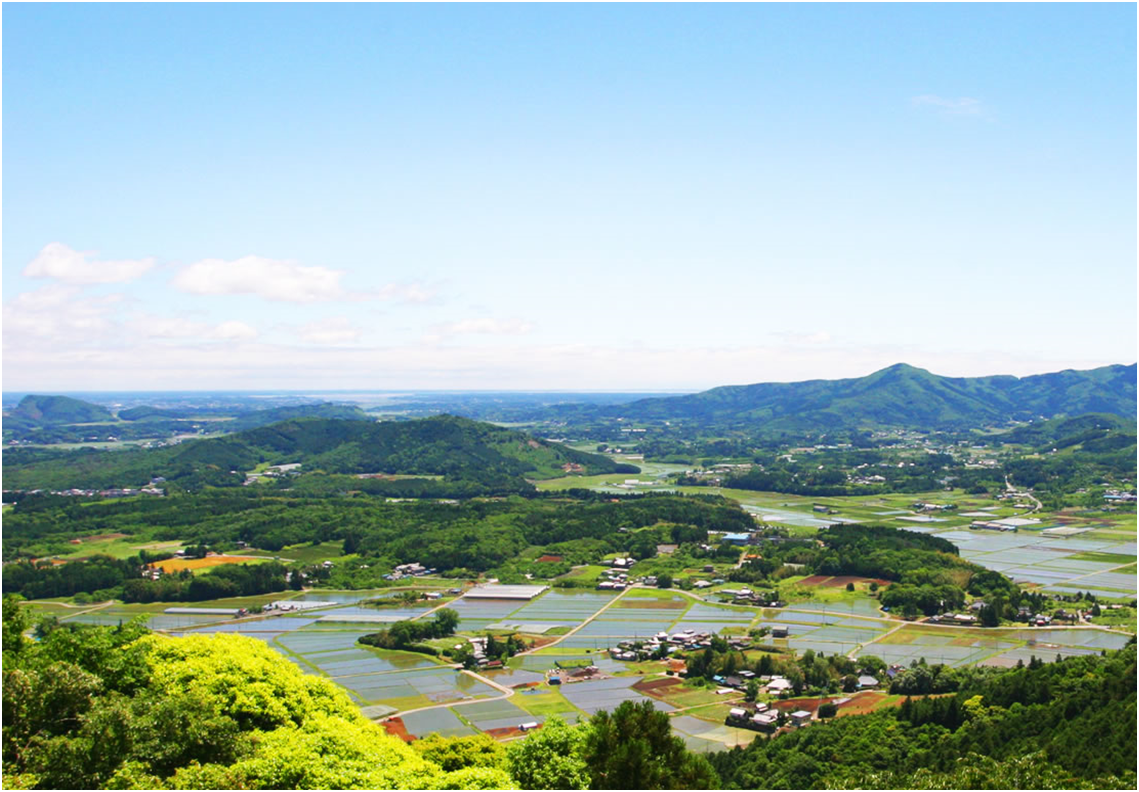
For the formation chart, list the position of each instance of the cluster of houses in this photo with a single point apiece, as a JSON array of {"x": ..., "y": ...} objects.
[
  {"x": 762, "y": 718},
  {"x": 1023, "y": 614},
  {"x": 113, "y": 492},
  {"x": 617, "y": 578},
  {"x": 931, "y": 507},
  {"x": 478, "y": 651},
  {"x": 745, "y": 596},
  {"x": 1115, "y": 496},
  {"x": 687, "y": 640},
  {"x": 569, "y": 673},
  {"x": 273, "y": 471},
  {"x": 414, "y": 569},
  {"x": 1044, "y": 620}
]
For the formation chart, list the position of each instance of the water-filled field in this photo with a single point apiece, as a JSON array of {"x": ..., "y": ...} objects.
[{"x": 385, "y": 682}]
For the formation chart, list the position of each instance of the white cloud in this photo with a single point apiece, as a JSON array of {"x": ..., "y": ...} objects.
[
  {"x": 152, "y": 326},
  {"x": 59, "y": 261},
  {"x": 961, "y": 106},
  {"x": 483, "y": 326},
  {"x": 279, "y": 280},
  {"x": 233, "y": 331},
  {"x": 332, "y": 331},
  {"x": 56, "y": 315},
  {"x": 182, "y": 328},
  {"x": 271, "y": 279}
]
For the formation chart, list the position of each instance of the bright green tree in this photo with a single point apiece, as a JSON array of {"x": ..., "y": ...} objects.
[{"x": 550, "y": 758}]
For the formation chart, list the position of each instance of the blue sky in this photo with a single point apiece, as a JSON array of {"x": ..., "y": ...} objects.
[{"x": 563, "y": 197}]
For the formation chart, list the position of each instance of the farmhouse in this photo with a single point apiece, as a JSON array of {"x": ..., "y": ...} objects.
[
  {"x": 800, "y": 718},
  {"x": 779, "y": 685},
  {"x": 735, "y": 538}
]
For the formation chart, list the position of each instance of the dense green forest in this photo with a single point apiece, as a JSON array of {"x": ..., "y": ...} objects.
[
  {"x": 458, "y": 449},
  {"x": 928, "y": 576},
  {"x": 1068, "y": 724},
  {"x": 457, "y": 538}
]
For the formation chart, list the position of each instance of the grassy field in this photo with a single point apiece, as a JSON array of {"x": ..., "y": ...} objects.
[
  {"x": 303, "y": 553},
  {"x": 688, "y": 695},
  {"x": 118, "y": 546},
  {"x": 548, "y": 702},
  {"x": 586, "y": 574}
]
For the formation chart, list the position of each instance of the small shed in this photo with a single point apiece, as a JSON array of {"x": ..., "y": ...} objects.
[{"x": 800, "y": 718}]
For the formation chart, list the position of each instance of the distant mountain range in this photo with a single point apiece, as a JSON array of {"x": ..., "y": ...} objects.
[
  {"x": 898, "y": 396},
  {"x": 56, "y": 419},
  {"x": 456, "y": 448}
]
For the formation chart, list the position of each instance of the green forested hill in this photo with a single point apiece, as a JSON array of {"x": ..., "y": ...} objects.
[
  {"x": 42, "y": 410},
  {"x": 1097, "y": 432},
  {"x": 456, "y": 448},
  {"x": 1063, "y": 725},
  {"x": 900, "y": 395}
]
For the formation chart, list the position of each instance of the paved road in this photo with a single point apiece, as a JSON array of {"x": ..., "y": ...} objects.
[{"x": 1037, "y": 505}]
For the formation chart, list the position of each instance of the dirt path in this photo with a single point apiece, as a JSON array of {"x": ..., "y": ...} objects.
[
  {"x": 1036, "y": 505},
  {"x": 82, "y": 609}
]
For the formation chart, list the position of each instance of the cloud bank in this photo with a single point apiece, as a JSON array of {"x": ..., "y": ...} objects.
[{"x": 61, "y": 263}]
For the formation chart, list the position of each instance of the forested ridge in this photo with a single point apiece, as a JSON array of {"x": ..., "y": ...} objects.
[
  {"x": 897, "y": 396},
  {"x": 458, "y": 449},
  {"x": 1069, "y": 724},
  {"x": 457, "y": 538}
]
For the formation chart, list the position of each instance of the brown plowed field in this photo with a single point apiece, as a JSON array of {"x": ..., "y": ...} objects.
[
  {"x": 842, "y": 580},
  {"x": 827, "y": 581},
  {"x": 859, "y": 704},
  {"x": 655, "y": 687},
  {"x": 864, "y": 703}
]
